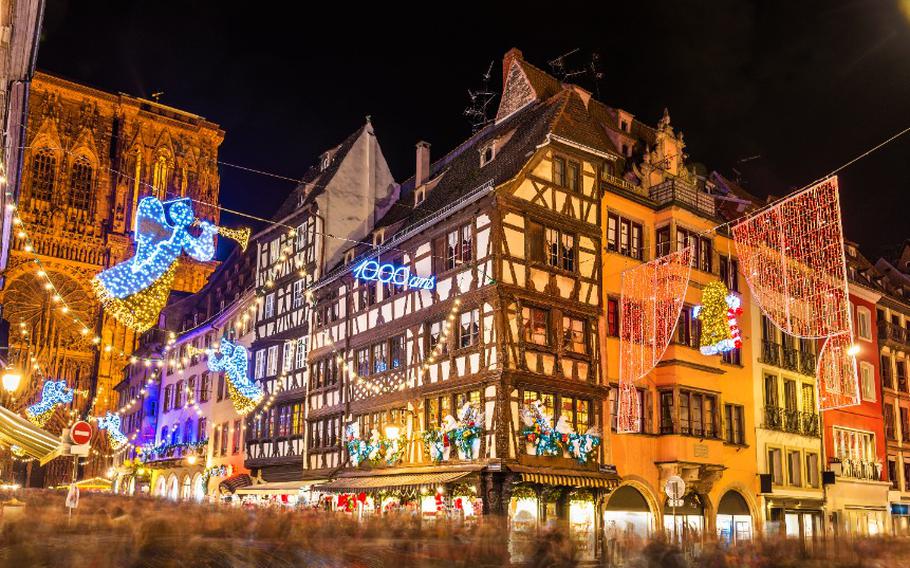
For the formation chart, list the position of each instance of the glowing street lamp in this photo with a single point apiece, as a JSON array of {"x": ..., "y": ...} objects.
[{"x": 11, "y": 381}]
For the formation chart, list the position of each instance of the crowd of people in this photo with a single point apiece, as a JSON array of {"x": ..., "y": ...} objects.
[{"x": 139, "y": 532}]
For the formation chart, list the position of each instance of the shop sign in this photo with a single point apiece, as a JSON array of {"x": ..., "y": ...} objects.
[{"x": 389, "y": 273}]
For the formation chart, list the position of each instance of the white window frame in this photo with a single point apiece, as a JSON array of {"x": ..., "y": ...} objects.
[
  {"x": 272, "y": 361},
  {"x": 300, "y": 353},
  {"x": 260, "y": 364},
  {"x": 867, "y": 381},
  {"x": 297, "y": 294},
  {"x": 863, "y": 323},
  {"x": 268, "y": 309},
  {"x": 287, "y": 356}
]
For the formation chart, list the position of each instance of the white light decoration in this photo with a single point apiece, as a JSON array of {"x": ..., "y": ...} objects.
[
  {"x": 135, "y": 291},
  {"x": 651, "y": 301},
  {"x": 234, "y": 361},
  {"x": 110, "y": 422},
  {"x": 388, "y": 273},
  {"x": 53, "y": 394},
  {"x": 792, "y": 256}
]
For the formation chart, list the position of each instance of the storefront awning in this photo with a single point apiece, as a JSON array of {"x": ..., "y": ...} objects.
[
  {"x": 571, "y": 480},
  {"x": 235, "y": 482},
  {"x": 380, "y": 482},
  {"x": 276, "y": 488},
  {"x": 34, "y": 441}
]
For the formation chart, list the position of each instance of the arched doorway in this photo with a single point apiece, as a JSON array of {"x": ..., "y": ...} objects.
[
  {"x": 132, "y": 486},
  {"x": 734, "y": 520},
  {"x": 186, "y": 492},
  {"x": 524, "y": 517},
  {"x": 685, "y": 523},
  {"x": 173, "y": 488},
  {"x": 199, "y": 489},
  {"x": 160, "y": 486},
  {"x": 628, "y": 515}
]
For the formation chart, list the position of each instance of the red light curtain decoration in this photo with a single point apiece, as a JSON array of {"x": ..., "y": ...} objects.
[
  {"x": 792, "y": 256},
  {"x": 651, "y": 301}
]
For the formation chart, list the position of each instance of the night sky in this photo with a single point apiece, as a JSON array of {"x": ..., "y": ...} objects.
[{"x": 782, "y": 93}]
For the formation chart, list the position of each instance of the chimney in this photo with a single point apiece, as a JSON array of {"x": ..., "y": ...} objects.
[
  {"x": 423, "y": 163},
  {"x": 507, "y": 60}
]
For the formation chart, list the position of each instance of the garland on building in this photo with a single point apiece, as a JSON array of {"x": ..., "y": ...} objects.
[
  {"x": 223, "y": 470},
  {"x": 377, "y": 450},
  {"x": 718, "y": 313},
  {"x": 53, "y": 394},
  {"x": 547, "y": 440},
  {"x": 464, "y": 434},
  {"x": 163, "y": 450}
]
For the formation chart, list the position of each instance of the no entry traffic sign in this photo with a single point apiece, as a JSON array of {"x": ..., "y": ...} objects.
[{"x": 81, "y": 433}]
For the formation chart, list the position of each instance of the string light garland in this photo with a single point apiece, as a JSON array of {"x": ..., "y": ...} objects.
[
  {"x": 792, "y": 256},
  {"x": 53, "y": 394},
  {"x": 718, "y": 313},
  {"x": 650, "y": 304}
]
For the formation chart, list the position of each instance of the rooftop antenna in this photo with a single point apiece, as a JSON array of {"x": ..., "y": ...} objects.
[
  {"x": 558, "y": 66},
  {"x": 480, "y": 101},
  {"x": 595, "y": 73},
  {"x": 156, "y": 96}
]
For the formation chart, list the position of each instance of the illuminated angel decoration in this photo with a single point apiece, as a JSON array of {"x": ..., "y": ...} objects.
[
  {"x": 135, "y": 291},
  {"x": 233, "y": 360},
  {"x": 53, "y": 394},
  {"x": 110, "y": 422}
]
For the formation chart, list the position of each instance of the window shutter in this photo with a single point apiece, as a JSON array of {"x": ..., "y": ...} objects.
[{"x": 536, "y": 246}]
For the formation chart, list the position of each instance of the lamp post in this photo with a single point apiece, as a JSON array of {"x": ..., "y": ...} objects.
[{"x": 11, "y": 380}]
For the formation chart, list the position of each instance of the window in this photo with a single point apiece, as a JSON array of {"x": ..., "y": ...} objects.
[
  {"x": 890, "y": 430},
  {"x": 284, "y": 420},
  {"x": 235, "y": 438},
  {"x": 287, "y": 359},
  {"x": 575, "y": 337},
  {"x": 535, "y": 323},
  {"x": 906, "y": 476},
  {"x": 366, "y": 294},
  {"x": 551, "y": 246},
  {"x": 905, "y": 424},
  {"x": 701, "y": 248},
  {"x": 272, "y": 364},
  {"x": 735, "y": 433},
  {"x": 892, "y": 474},
  {"x": 167, "y": 397},
  {"x": 221, "y": 381},
  {"x": 729, "y": 272},
  {"x": 732, "y": 357},
  {"x": 612, "y": 317},
  {"x": 438, "y": 407},
  {"x": 396, "y": 351},
  {"x": 867, "y": 381},
  {"x": 188, "y": 431},
  {"x": 666, "y": 412},
  {"x": 204, "y": 386},
  {"x": 269, "y": 310},
  {"x": 300, "y": 353},
  {"x": 688, "y": 330},
  {"x": 44, "y": 172},
  {"x": 81, "y": 179},
  {"x": 469, "y": 328},
  {"x": 179, "y": 394},
  {"x": 794, "y": 468},
  {"x": 224, "y": 437},
  {"x": 775, "y": 466},
  {"x": 297, "y": 419},
  {"x": 434, "y": 336},
  {"x": 297, "y": 294},
  {"x": 486, "y": 155},
  {"x": 459, "y": 247},
  {"x": 380, "y": 357},
  {"x": 160, "y": 175},
  {"x": 201, "y": 429},
  {"x": 693, "y": 418},
  {"x": 624, "y": 236},
  {"x": 854, "y": 444},
  {"x": 216, "y": 442},
  {"x": 662, "y": 239},
  {"x": 573, "y": 176},
  {"x": 559, "y": 171},
  {"x": 324, "y": 433},
  {"x": 863, "y": 323},
  {"x": 576, "y": 411},
  {"x": 885, "y": 369},
  {"x": 260, "y": 364},
  {"x": 613, "y": 401},
  {"x": 812, "y": 474},
  {"x": 363, "y": 362}
]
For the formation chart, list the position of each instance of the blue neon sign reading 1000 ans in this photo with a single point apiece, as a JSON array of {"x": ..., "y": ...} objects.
[{"x": 390, "y": 274}]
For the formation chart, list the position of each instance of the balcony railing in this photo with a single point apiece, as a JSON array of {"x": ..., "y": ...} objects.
[
  {"x": 860, "y": 469},
  {"x": 680, "y": 192},
  {"x": 789, "y": 358},
  {"x": 888, "y": 331},
  {"x": 792, "y": 421}
]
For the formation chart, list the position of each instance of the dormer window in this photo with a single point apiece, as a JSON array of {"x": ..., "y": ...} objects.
[
  {"x": 349, "y": 257},
  {"x": 487, "y": 154},
  {"x": 624, "y": 125},
  {"x": 378, "y": 237},
  {"x": 420, "y": 195},
  {"x": 851, "y": 250},
  {"x": 324, "y": 162},
  {"x": 625, "y": 150}
]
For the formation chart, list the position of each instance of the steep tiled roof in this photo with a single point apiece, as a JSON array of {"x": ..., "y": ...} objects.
[{"x": 316, "y": 179}]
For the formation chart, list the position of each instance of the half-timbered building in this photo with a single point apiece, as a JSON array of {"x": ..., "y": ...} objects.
[{"x": 336, "y": 204}]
